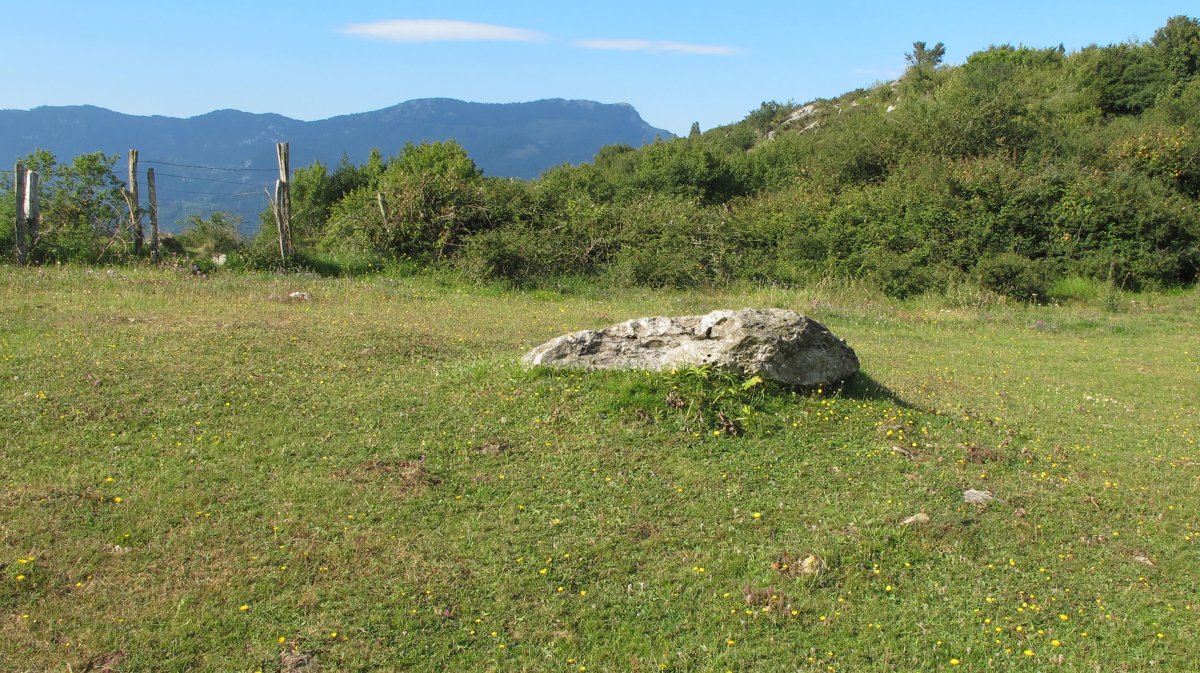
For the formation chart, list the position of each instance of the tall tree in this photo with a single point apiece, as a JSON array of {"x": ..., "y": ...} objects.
[
  {"x": 926, "y": 57},
  {"x": 1178, "y": 46}
]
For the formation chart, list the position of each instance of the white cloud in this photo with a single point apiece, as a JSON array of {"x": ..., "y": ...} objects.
[
  {"x": 440, "y": 30},
  {"x": 660, "y": 46}
]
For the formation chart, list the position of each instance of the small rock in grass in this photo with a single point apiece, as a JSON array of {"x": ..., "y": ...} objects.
[
  {"x": 299, "y": 296},
  {"x": 812, "y": 565},
  {"x": 977, "y": 497},
  {"x": 916, "y": 519}
]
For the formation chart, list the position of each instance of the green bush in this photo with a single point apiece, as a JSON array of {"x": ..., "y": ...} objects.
[
  {"x": 1012, "y": 275},
  {"x": 216, "y": 235}
]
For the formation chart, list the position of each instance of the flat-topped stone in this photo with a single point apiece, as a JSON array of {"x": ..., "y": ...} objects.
[{"x": 776, "y": 344}]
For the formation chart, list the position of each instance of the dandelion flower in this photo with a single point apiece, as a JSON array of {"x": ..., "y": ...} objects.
[
  {"x": 243, "y": 607},
  {"x": 955, "y": 662}
]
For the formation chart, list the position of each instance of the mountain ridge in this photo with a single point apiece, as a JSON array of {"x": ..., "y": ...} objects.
[{"x": 516, "y": 140}]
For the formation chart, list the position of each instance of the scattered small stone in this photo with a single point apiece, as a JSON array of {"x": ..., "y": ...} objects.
[
  {"x": 812, "y": 565},
  {"x": 793, "y": 566},
  {"x": 916, "y": 519},
  {"x": 1143, "y": 559},
  {"x": 977, "y": 497}
]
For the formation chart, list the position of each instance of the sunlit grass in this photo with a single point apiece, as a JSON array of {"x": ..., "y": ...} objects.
[{"x": 201, "y": 474}]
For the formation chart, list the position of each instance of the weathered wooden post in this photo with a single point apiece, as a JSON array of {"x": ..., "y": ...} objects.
[
  {"x": 382, "y": 206},
  {"x": 33, "y": 207},
  {"x": 283, "y": 202},
  {"x": 19, "y": 176},
  {"x": 135, "y": 212},
  {"x": 152, "y": 195}
]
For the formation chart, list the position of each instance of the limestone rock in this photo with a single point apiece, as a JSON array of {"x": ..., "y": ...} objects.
[
  {"x": 812, "y": 565},
  {"x": 775, "y": 344},
  {"x": 977, "y": 497},
  {"x": 918, "y": 519}
]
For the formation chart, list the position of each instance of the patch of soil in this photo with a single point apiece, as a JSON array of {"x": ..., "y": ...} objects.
[
  {"x": 291, "y": 661},
  {"x": 104, "y": 663},
  {"x": 407, "y": 475},
  {"x": 493, "y": 447}
]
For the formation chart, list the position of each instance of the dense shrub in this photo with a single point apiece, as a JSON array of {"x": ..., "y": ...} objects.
[{"x": 1012, "y": 275}]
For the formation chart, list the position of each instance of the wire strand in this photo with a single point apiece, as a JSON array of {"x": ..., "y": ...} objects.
[
  {"x": 190, "y": 177},
  {"x": 214, "y": 194},
  {"x": 209, "y": 168}
]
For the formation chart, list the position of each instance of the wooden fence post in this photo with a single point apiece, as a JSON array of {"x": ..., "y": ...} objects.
[
  {"x": 33, "y": 207},
  {"x": 135, "y": 212},
  {"x": 382, "y": 206},
  {"x": 283, "y": 202},
  {"x": 19, "y": 176},
  {"x": 152, "y": 195}
]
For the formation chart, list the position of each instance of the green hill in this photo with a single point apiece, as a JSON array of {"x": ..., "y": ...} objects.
[{"x": 1021, "y": 170}]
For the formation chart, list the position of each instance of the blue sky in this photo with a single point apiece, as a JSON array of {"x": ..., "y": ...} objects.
[{"x": 676, "y": 62}]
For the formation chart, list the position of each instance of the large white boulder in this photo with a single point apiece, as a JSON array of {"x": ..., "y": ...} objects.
[{"x": 776, "y": 344}]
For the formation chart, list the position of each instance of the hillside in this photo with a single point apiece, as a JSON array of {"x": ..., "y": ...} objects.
[
  {"x": 1027, "y": 172},
  {"x": 1020, "y": 169},
  {"x": 506, "y": 140}
]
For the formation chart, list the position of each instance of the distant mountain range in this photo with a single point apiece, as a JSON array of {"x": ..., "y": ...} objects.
[{"x": 519, "y": 140}]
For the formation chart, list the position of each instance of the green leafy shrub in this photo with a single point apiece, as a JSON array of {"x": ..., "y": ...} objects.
[
  {"x": 1012, "y": 275},
  {"x": 216, "y": 235}
]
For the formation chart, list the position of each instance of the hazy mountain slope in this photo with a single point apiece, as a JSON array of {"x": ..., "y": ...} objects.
[{"x": 510, "y": 140}]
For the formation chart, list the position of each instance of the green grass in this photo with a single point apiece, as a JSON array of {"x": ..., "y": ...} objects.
[{"x": 374, "y": 464}]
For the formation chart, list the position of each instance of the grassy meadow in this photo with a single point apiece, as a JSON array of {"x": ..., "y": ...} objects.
[{"x": 203, "y": 475}]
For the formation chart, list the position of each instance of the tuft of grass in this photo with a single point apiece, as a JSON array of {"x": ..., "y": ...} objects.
[
  {"x": 1076, "y": 289},
  {"x": 199, "y": 476}
]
